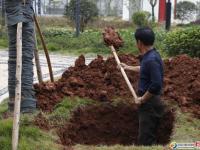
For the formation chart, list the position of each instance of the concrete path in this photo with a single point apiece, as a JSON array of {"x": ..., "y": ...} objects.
[{"x": 59, "y": 64}]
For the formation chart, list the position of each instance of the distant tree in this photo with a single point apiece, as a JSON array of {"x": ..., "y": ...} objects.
[
  {"x": 185, "y": 10},
  {"x": 109, "y": 10},
  {"x": 153, "y": 4},
  {"x": 88, "y": 10}
]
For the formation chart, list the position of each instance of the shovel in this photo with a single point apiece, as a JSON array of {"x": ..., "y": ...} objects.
[
  {"x": 123, "y": 73},
  {"x": 112, "y": 39}
]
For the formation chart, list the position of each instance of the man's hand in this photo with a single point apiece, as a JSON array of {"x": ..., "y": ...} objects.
[
  {"x": 144, "y": 98},
  {"x": 139, "y": 100},
  {"x": 125, "y": 66}
]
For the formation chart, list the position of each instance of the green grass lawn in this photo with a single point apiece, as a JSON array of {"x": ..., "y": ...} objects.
[
  {"x": 187, "y": 129},
  {"x": 31, "y": 137}
]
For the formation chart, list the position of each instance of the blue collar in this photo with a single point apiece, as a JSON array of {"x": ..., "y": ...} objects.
[{"x": 149, "y": 51}]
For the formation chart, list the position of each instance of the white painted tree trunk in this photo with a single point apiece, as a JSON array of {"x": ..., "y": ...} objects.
[
  {"x": 16, "y": 119},
  {"x": 126, "y": 15}
]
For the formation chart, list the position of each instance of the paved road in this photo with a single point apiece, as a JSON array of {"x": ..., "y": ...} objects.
[{"x": 59, "y": 64}]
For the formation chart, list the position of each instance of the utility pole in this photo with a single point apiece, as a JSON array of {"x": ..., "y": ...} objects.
[
  {"x": 168, "y": 15},
  {"x": 77, "y": 15}
]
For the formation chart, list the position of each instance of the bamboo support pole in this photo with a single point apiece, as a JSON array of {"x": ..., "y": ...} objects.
[
  {"x": 37, "y": 60},
  {"x": 16, "y": 119},
  {"x": 45, "y": 49}
]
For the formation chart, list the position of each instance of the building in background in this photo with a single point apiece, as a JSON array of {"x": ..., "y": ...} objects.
[{"x": 116, "y": 8}]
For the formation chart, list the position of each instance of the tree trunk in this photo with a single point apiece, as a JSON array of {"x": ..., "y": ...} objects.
[{"x": 153, "y": 14}]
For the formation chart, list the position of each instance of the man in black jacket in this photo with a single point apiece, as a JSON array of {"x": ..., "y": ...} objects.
[{"x": 150, "y": 86}]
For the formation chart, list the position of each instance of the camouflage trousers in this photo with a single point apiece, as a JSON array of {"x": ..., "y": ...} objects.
[{"x": 28, "y": 101}]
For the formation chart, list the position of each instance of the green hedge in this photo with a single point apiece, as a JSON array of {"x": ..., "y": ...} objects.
[{"x": 183, "y": 41}]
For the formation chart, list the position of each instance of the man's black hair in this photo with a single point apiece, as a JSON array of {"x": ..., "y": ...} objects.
[{"x": 145, "y": 35}]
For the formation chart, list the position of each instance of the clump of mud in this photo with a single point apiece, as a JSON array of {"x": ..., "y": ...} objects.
[{"x": 112, "y": 38}]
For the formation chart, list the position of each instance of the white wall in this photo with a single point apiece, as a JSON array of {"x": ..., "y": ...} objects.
[
  {"x": 147, "y": 7},
  {"x": 125, "y": 12}
]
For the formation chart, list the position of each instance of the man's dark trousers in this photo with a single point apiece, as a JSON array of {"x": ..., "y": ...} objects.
[{"x": 150, "y": 114}]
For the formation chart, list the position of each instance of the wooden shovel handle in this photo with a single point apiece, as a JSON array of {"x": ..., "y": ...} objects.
[{"x": 123, "y": 73}]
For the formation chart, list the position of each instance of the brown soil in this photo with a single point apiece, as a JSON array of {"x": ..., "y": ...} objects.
[
  {"x": 112, "y": 38},
  {"x": 182, "y": 83},
  {"x": 103, "y": 82},
  {"x": 109, "y": 125},
  {"x": 42, "y": 122},
  {"x": 100, "y": 80}
]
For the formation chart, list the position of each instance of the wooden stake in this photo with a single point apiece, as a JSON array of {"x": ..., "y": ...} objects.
[
  {"x": 16, "y": 119},
  {"x": 37, "y": 60},
  {"x": 45, "y": 48},
  {"x": 124, "y": 73}
]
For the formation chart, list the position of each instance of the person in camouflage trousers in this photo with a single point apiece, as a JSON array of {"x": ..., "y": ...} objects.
[{"x": 21, "y": 11}]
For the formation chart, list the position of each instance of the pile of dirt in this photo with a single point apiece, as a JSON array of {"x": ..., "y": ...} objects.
[
  {"x": 112, "y": 38},
  {"x": 182, "y": 83},
  {"x": 102, "y": 81},
  {"x": 109, "y": 125}
]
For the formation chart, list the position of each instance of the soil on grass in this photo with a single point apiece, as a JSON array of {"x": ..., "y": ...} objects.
[
  {"x": 42, "y": 122},
  {"x": 109, "y": 125},
  {"x": 102, "y": 81}
]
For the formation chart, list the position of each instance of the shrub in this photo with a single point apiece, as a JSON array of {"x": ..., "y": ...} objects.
[
  {"x": 183, "y": 41},
  {"x": 141, "y": 18},
  {"x": 160, "y": 37}
]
